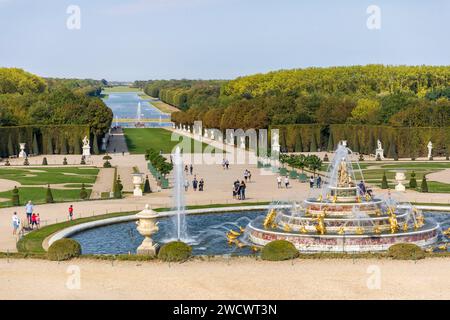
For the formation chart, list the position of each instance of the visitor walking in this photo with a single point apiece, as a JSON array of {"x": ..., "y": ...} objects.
[
  {"x": 201, "y": 185},
  {"x": 286, "y": 182},
  {"x": 279, "y": 182},
  {"x": 15, "y": 223},
  {"x": 194, "y": 183},
  {"x": 227, "y": 164},
  {"x": 245, "y": 175},
  {"x": 71, "y": 212},
  {"x": 318, "y": 182},
  {"x": 362, "y": 188},
  {"x": 311, "y": 182},
  {"x": 186, "y": 169},
  {"x": 186, "y": 185},
  {"x": 38, "y": 220},
  {"x": 249, "y": 175},
  {"x": 33, "y": 221},
  {"x": 191, "y": 169},
  {"x": 29, "y": 210}
]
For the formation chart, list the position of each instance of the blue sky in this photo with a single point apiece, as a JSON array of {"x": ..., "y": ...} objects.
[{"x": 221, "y": 39}]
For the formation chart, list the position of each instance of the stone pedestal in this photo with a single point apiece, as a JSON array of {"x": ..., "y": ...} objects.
[
  {"x": 86, "y": 151},
  {"x": 146, "y": 226},
  {"x": 380, "y": 153}
]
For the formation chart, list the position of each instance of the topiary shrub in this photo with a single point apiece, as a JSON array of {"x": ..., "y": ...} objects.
[
  {"x": 405, "y": 251},
  {"x": 64, "y": 249},
  {"x": 325, "y": 158},
  {"x": 384, "y": 183},
  {"x": 293, "y": 174},
  {"x": 7, "y": 163},
  {"x": 44, "y": 161},
  {"x": 424, "y": 185},
  {"x": 106, "y": 157},
  {"x": 83, "y": 160},
  {"x": 26, "y": 162},
  {"x": 49, "y": 195},
  {"x": 378, "y": 157},
  {"x": 65, "y": 161},
  {"x": 83, "y": 192},
  {"x": 413, "y": 181},
  {"x": 107, "y": 164},
  {"x": 175, "y": 251},
  {"x": 278, "y": 250},
  {"x": 361, "y": 157},
  {"x": 147, "y": 188},
  {"x": 15, "y": 197},
  {"x": 283, "y": 171}
]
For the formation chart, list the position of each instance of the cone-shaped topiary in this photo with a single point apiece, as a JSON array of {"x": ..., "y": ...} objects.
[
  {"x": 65, "y": 161},
  {"x": 117, "y": 189},
  {"x": 83, "y": 192},
  {"x": 11, "y": 151},
  {"x": 313, "y": 147},
  {"x": 49, "y": 195},
  {"x": 361, "y": 157},
  {"x": 44, "y": 161},
  {"x": 26, "y": 162},
  {"x": 83, "y": 160},
  {"x": 384, "y": 182},
  {"x": 147, "y": 188},
  {"x": 15, "y": 197},
  {"x": 424, "y": 185},
  {"x": 7, "y": 163},
  {"x": 278, "y": 250},
  {"x": 95, "y": 145},
  {"x": 35, "y": 145},
  {"x": 413, "y": 181}
]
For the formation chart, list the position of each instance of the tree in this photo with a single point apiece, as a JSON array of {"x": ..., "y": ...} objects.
[
  {"x": 10, "y": 147},
  {"x": 147, "y": 188},
  {"x": 49, "y": 195},
  {"x": 117, "y": 188},
  {"x": 83, "y": 192},
  {"x": 95, "y": 145},
  {"x": 424, "y": 185},
  {"x": 49, "y": 145},
  {"x": 384, "y": 182},
  {"x": 298, "y": 143},
  {"x": 330, "y": 146},
  {"x": 63, "y": 146},
  {"x": 366, "y": 111},
  {"x": 314, "y": 163},
  {"x": 313, "y": 146},
  {"x": 412, "y": 180},
  {"x": 15, "y": 197}
]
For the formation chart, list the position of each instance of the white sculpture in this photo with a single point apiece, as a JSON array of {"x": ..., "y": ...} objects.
[
  {"x": 379, "y": 152},
  {"x": 22, "y": 153},
  {"x": 400, "y": 178},
  {"x": 430, "y": 149},
  {"x": 138, "y": 179},
  {"x": 147, "y": 225},
  {"x": 242, "y": 145},
  {"x": 86, "y": 147},
  {"x": 231, "y": 138},
  {"x": 276, "y": 142}
]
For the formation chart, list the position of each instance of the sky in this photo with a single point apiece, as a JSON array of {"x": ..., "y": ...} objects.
[{"x": 127, "y": 40}]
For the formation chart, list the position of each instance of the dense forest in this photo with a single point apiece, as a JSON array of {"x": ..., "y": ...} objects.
[
  {"x": 26, "y": 99},
  {"x": 411, "y": 96}
]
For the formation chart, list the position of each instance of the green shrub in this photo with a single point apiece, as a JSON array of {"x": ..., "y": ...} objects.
[
  {"x": 49, "y": 195},
  {"x": 26, "y": 162},
  {"x": 361, "y": 157},
  {"x": 283, "y": 171},
  {"x": 107, "y": 164},
  {"x": 424, "y": 185},
  {"x": 175, "y": 251},
  {"x": 147, "y": 188},
  {"x": 83, "y": 192},
  {"x": 65, "y": 161},
  {"x": 64, "y": 249},
  {"x": 325, "y": 158},
  {"x": 106, "y": 157},
  {"x": 405, "y": 251},
  {"x": 413, "y": 181},
  {"x": 83, "y": 160},
  {"x": 293, "y": 174},
  {"x": 279, "y": 250},
  {"x": 384, "y": 183},
  {"x": 44, "y": 161},
  {"x": 15, "y": 197},
  {"x": 7, "y": 163}
]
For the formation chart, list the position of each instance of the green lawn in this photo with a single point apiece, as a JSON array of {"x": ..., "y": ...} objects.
[
  {"x": 42, "y": 175},
  {"x": 120, "y": 89},
  {"x": 141, "y": 139},
  {"x": 38, "y": 195}
]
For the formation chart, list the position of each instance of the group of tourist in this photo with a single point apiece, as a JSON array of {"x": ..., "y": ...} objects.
[
  {"x": 280, "y": 181},
  {"x": 225, "y": 164},
  {"x": 247, "y": 175},
  {"x": 315, "y": 182},
  {"x": 189, "y": 169},
  {"x": 196, "y": 184},
  {"x": 239, "y": 189}
]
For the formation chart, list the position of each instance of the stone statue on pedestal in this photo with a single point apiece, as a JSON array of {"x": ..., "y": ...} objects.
[
  {"x": 430, "y": 149},
  {"x": 86, "y": 147},
  {"x": 379, "y": 152}
]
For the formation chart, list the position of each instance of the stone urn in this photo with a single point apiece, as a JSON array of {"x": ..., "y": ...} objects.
[
  {"x": 22, "y": 153},
  {"x": 138, "y": 180},
  {"x": 400, "y": 178},
  {"x": 146, "y": 226}
]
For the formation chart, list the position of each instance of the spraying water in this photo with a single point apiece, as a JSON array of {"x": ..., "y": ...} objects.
[
  {"x": 178, "y": 195},
  {"x": 138, "y": 115}
]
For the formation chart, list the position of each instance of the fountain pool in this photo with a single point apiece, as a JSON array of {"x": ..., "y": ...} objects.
[{"x": 208, "y": 232}]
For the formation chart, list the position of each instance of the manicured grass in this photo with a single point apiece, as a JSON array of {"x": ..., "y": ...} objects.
[
  {"x": 42, "y": 175},
  {"x": 38, "y": 195},
  {"x": 141, "y": 139}
]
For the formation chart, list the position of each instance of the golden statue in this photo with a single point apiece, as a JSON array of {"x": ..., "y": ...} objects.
[
  {"x": 287, "y": 228},
  {"x": 341, "y": 230},
  {"x": 359, "y": 230},
  {"x": 319, "y": 198},
  {"x": 420, "y": 221},
  {"x": 376, "y": 230},
  {"x": 344, "y": 179},
  {"x": 270, "y": 218},
  {"x": 303, "y": 229},
  {"x": 393, "y": 222},
  {"x": 405, "y": 226},
  {"x": 320, "y": 227}
]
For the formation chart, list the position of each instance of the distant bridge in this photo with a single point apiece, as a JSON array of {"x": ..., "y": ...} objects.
[{"x": 146, "y": 120}]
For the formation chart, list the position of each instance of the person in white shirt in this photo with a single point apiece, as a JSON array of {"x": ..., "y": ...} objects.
[
  {"x": 15, "y": 223},
  {"x": 279, "y": 181},
  {"x": 286, "y": 182}
]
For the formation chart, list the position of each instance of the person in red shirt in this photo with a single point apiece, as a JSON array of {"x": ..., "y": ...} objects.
[
  {"x": 71, "y": 212},
  {"x": 33, "y": 220}
]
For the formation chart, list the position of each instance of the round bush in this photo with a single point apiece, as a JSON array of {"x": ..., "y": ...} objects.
[
  {"x": 175, "y": 251},
  {"x": 64, "y": 249},
  {"x": 406, "y": 251},
  {"x": 279, "y": 250}
]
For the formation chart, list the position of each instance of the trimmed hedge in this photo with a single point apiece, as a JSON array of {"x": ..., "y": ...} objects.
[
  {"x": 64, "y": 249},
  {"x": 175, "y": 251},
  {"x": 279, "y": 250},
  {"x": 406, "y": 251}
]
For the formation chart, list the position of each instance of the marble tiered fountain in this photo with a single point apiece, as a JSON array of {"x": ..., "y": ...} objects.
[{"x": 343, "y": 218}]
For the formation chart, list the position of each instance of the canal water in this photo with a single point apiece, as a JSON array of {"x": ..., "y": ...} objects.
[{"x": 124, "y": 105}]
